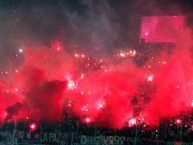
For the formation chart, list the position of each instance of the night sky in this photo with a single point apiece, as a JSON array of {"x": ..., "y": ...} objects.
[{"x": 107, "y": 24}]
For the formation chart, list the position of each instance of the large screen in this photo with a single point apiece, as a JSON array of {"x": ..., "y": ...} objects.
[{"x": 161, "y": 28}]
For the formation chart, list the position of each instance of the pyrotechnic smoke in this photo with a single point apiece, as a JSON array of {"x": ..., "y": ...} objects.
[{"x": 109, "y": 89}]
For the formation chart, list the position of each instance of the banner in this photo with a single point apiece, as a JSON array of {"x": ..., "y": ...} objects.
[
  {"x": 48, "y": 138},
  {"x": 121, "y": 140},
  {"x": 70, "y": 138},
  {"x": 105, "y": 140}
]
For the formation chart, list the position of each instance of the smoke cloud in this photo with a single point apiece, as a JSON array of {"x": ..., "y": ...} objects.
[{"x": 63, "y": 55}]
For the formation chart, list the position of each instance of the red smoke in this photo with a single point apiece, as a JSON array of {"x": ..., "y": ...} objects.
[{"x": 111, "y": 95}]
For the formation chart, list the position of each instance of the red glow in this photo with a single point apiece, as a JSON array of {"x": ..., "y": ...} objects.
[
  {"x": 100, "y": 106},
  {"x": 33, "y": 126},
  {"x": 150, "y": 78},
  {"x": 87, "y": 120},
  {"x": 71, "y": 85},
  {"x": 132, "y": 122},
  {"x": 56, "y": 45},
  {"x": 178, "y": 121}
]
